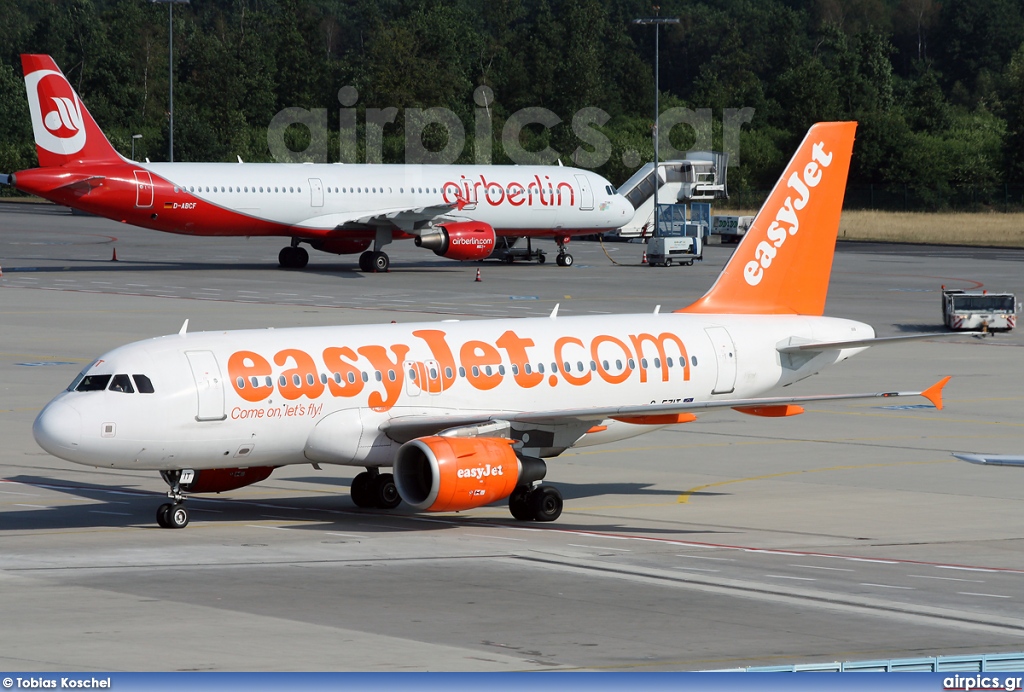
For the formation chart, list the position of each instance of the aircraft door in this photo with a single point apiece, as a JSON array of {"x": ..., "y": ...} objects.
[
  {"x": 143, "y": 189},
  {"x": 209, "y": 385},
  {"x": 586, "y": 194},
  {"x": 316, "y": 192},
  {"x": 725, "y": 354}
]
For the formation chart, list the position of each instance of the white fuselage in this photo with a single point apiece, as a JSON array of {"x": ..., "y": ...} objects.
[
  {"x": 284, "y": 396},
  {"x": 537, "y": 199}
]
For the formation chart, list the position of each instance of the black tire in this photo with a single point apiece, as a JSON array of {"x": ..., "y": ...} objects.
[
  {"x": 560, "y": 260},
  {"x": 284, "y": 258},
  {"x": 300, "y": 258},
  {"x": 381, "y": 262},
  {"x": 161, "y": 515},
  {"x": 177, "y": 517},
  {"x": 366, "y": 261},
  {"x": 541, "y": 259},
  {"x": 567, "y": 260},
  {"x": 385, "y": 492},
  {"x": 519, "y": 504},
  {"x": 668, "y": 263},
  {"x": 546, "y": 503},
  {"x": 362, "y": 490}
]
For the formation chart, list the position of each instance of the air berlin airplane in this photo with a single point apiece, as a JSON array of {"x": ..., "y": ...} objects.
[
  {"x": 456, "y": 211},
  {"x": 466, "y": 412}
]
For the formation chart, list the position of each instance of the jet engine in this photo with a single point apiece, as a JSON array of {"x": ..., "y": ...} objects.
[
  {"x": 440, "y": 474},
  {"x": 461, "y": 240},
  {"x": 223, "y": 480}
]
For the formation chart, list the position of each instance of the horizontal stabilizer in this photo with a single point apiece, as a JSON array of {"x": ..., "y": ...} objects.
[
  {"x": 863, "y": 343},
  {"x": 992, "y": 459}
]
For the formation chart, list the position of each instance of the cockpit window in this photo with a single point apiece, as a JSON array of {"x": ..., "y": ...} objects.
[
  {"x": 93, "y": 383},
  {"x": 121, "y": 383},
  {"x": 143, "y": 384}
]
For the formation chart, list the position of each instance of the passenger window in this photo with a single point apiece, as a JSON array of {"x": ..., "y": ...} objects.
[
  {"x": 391, "y": 375},
  {"x": 121, "y": 383},
  {"x": 93, "y": 383},
  {"x": 448, "y": 373},
  {"x": 143, "y": 384}
]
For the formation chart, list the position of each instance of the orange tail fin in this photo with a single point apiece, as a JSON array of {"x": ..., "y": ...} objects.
[
  {"x": 783, "y": 264},
  {"x": 64, "y": 131}
]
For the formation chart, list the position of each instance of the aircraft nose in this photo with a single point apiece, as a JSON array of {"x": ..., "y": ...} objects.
[
  {"x": 58, "y": 429},
  {"x": 627, "y": 210}
]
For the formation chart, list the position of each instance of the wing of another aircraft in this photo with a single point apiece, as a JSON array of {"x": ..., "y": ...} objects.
[
  {"x": 406, "y": 220},
  {"x": 991, "y": 459}
]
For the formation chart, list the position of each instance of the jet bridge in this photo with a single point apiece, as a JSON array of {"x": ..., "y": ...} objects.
[{"x": 700, "y": 177}]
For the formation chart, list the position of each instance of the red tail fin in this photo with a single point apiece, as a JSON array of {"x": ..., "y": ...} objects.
[
  {"x": 783, "y": 264},
  {"x": 64, "y": 131}
]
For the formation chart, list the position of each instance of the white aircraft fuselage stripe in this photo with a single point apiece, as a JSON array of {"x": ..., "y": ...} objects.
[{"x": 161, "y": 430}]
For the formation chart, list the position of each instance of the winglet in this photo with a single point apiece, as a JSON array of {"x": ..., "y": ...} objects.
[
  {"x": 934, "y": 393},
  {"x": 184, "y": 330}
]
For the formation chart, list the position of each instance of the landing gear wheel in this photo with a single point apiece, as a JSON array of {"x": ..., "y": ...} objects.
[
  {"x": 385, "y": 492},
  {"x": 564, "y": 260},
  {"x": 519, "y": 503},
  {"x": 284, "y": 258},
  {"x": 380, "y": 262},
  {"x": 546, "y": 503},
  {"x": 362, "y": 490},
  {"x": 161, "y": 515},
  {"x": 293, "y": 257},
  {"x": 176, "y": 517}
]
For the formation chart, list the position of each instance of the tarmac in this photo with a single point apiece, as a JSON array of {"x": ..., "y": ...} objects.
[{"x": 847, "y": 533}]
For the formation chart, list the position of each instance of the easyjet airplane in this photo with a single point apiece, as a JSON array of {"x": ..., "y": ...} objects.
[
  {"x": 466, "y": 412},
  {"x": 456, "y": 211}
]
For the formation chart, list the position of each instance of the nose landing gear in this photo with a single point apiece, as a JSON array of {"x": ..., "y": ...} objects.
[
  {"x": 173, "y": 514},
  {"x": 564, "y": 259}
]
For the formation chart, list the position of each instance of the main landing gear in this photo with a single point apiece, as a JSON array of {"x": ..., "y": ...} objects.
[
  {"x": 564, "y": 259},
  {"x": 536, "y": 503},
  {"x": 374, "y": 261},
  {"x": 371, "y": 488},
  {"x": 173, "y": 514},
  {"x": 293, "y": 256}
]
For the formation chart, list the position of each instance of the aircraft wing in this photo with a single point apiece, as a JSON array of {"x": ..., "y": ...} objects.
[
  {"x": 991, "y": 459},
  {"x": 862, "y": 343},
  {"x": 408, "y": 220},
  {"x": 405, "y": 428}
]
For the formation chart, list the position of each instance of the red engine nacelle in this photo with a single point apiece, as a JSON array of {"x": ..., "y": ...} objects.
[
  {"x": 440, "y": 474},
  {"x": 461, "y": 240},
  {"x": 222, "y": 480}
]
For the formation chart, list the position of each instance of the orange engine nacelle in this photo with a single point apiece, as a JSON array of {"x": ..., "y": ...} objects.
[
  {"x": 223, "y": 480},
  {"x": 441, "y": 474},
  {"x": 461, "y": 240}
]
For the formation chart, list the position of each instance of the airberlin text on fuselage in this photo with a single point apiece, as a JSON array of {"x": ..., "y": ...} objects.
[
  {"x": 344, "y": 372},
  {"x": 787, "y": 221},
  {"x": 536, "y": 192}
]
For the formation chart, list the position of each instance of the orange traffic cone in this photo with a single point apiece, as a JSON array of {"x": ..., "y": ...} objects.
[
  {"x": 478, "y": 275},
  {"x": 643, "y": 260},
  {"x": 113, "y": 257}
]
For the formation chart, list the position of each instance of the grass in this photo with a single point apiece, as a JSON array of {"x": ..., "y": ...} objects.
[{"x": 977, "y": 229}]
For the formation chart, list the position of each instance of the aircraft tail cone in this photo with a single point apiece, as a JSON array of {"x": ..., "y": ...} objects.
[
  {"x": 113, "y": 258},
  {"x": 478, "y": 275}
]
